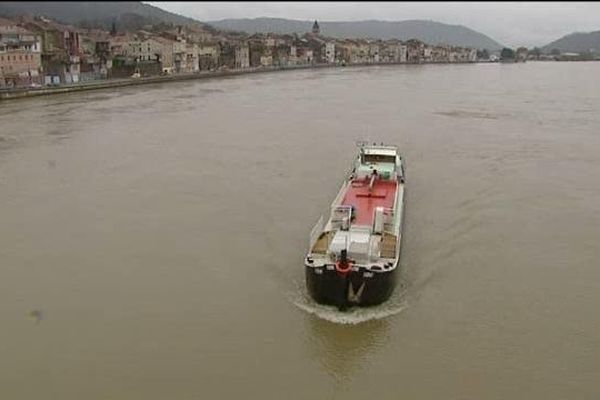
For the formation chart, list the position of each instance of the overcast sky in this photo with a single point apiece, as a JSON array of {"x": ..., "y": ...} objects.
[{"x": 510, "y": 23}]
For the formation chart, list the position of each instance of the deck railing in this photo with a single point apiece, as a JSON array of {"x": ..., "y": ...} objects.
[
  {"x": 316, "y": 232},
  {"x": 339, "y": 197},
  {"x": 388, "y": 222},
  {"x": 339, "y": 214}
]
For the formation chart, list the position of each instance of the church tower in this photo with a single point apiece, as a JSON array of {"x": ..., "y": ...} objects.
[{"x": 315, "y": 29}]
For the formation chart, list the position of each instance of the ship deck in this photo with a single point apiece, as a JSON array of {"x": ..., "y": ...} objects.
[{"x": 383, "y": 194}]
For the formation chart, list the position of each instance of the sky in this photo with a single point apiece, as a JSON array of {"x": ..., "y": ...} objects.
[{"x": 509, "y": 23}]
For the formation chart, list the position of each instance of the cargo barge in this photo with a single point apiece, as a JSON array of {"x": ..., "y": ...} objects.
[{"x": 354, "y": 254}]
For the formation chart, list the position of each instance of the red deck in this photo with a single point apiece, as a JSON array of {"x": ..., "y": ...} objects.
[{"x": 383, "y": 194}]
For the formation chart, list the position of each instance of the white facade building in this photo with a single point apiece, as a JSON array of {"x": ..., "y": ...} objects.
[{"x": 330, "y": 52}]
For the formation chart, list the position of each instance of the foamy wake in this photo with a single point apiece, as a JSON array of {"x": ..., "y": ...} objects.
[{"x": 354, "y": 315}]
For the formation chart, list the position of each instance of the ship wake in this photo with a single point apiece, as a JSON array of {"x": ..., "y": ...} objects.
[{"x": 352, "y": 316}]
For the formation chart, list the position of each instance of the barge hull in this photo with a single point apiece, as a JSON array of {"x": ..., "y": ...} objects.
[{"x": 354, "y": 289}]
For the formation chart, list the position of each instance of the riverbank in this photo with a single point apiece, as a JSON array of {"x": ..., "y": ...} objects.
[
  {"x": 17, "y": 93},
  {"x": 25, "y": 92}
]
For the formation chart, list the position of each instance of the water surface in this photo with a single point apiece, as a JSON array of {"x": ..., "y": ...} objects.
[{"x": 157, "y": 233}]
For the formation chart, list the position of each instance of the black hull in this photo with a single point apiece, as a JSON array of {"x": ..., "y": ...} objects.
[{"x": 344, "y": 291}]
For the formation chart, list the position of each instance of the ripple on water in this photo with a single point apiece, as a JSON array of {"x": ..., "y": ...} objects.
[
  {"x": 355, "y": 315},
  {"x": 471, "y": 114}
]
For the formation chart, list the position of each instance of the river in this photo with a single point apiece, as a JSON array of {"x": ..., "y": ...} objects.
[{"x": 152, "y": 237}]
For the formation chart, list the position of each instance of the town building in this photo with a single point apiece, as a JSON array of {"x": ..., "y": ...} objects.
[
  {"x": 329, "y": 56},
  {"x": 36, "y": 49},
  {"x": 61, "y": 49},
  {"x": 414, "y": 51},
  {"x": 96, "y": 58},
  {"x": 208, "y": 55},
  {"x": 20, "y": 55},
  {"x": 242, "y": 56},
  {"x": 164, "y": 47}
]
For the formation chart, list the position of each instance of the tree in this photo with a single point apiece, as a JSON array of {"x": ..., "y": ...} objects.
[
  {"x": 483, "y": 54},
  {"x": 521, "y": 54},
  {"x": 113, "y": 29},
  {"x": 555, "y": 52},
  {"x": 507, "y": 54},
  {"x": 536, "y": 51},
  {"x": 586, "y": 55}
]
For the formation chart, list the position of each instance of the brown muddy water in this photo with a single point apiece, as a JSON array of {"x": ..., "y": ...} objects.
[{"x": 151, "y": 238}]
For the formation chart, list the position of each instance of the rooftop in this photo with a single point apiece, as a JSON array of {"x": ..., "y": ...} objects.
[{"x": 6, "y": 22}]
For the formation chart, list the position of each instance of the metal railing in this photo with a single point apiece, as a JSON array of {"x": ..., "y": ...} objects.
[
  {"x": 389, "y": 223},
  {"x": 316, "y": 232},
  {"x": 339, "y": 215},
  {"x": 340, "y": 195}
]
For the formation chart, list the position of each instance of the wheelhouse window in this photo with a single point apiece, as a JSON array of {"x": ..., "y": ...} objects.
[{"x": 378, "y": 158}]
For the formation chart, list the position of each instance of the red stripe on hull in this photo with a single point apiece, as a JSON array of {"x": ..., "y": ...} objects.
[{"x": 383, "y": 194}]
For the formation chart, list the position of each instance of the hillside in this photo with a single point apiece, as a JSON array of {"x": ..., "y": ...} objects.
[
  {"x": 576, "y": 43},
  {"x": 426, "y": 31},
  {"x": 95, "y": 13}
]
